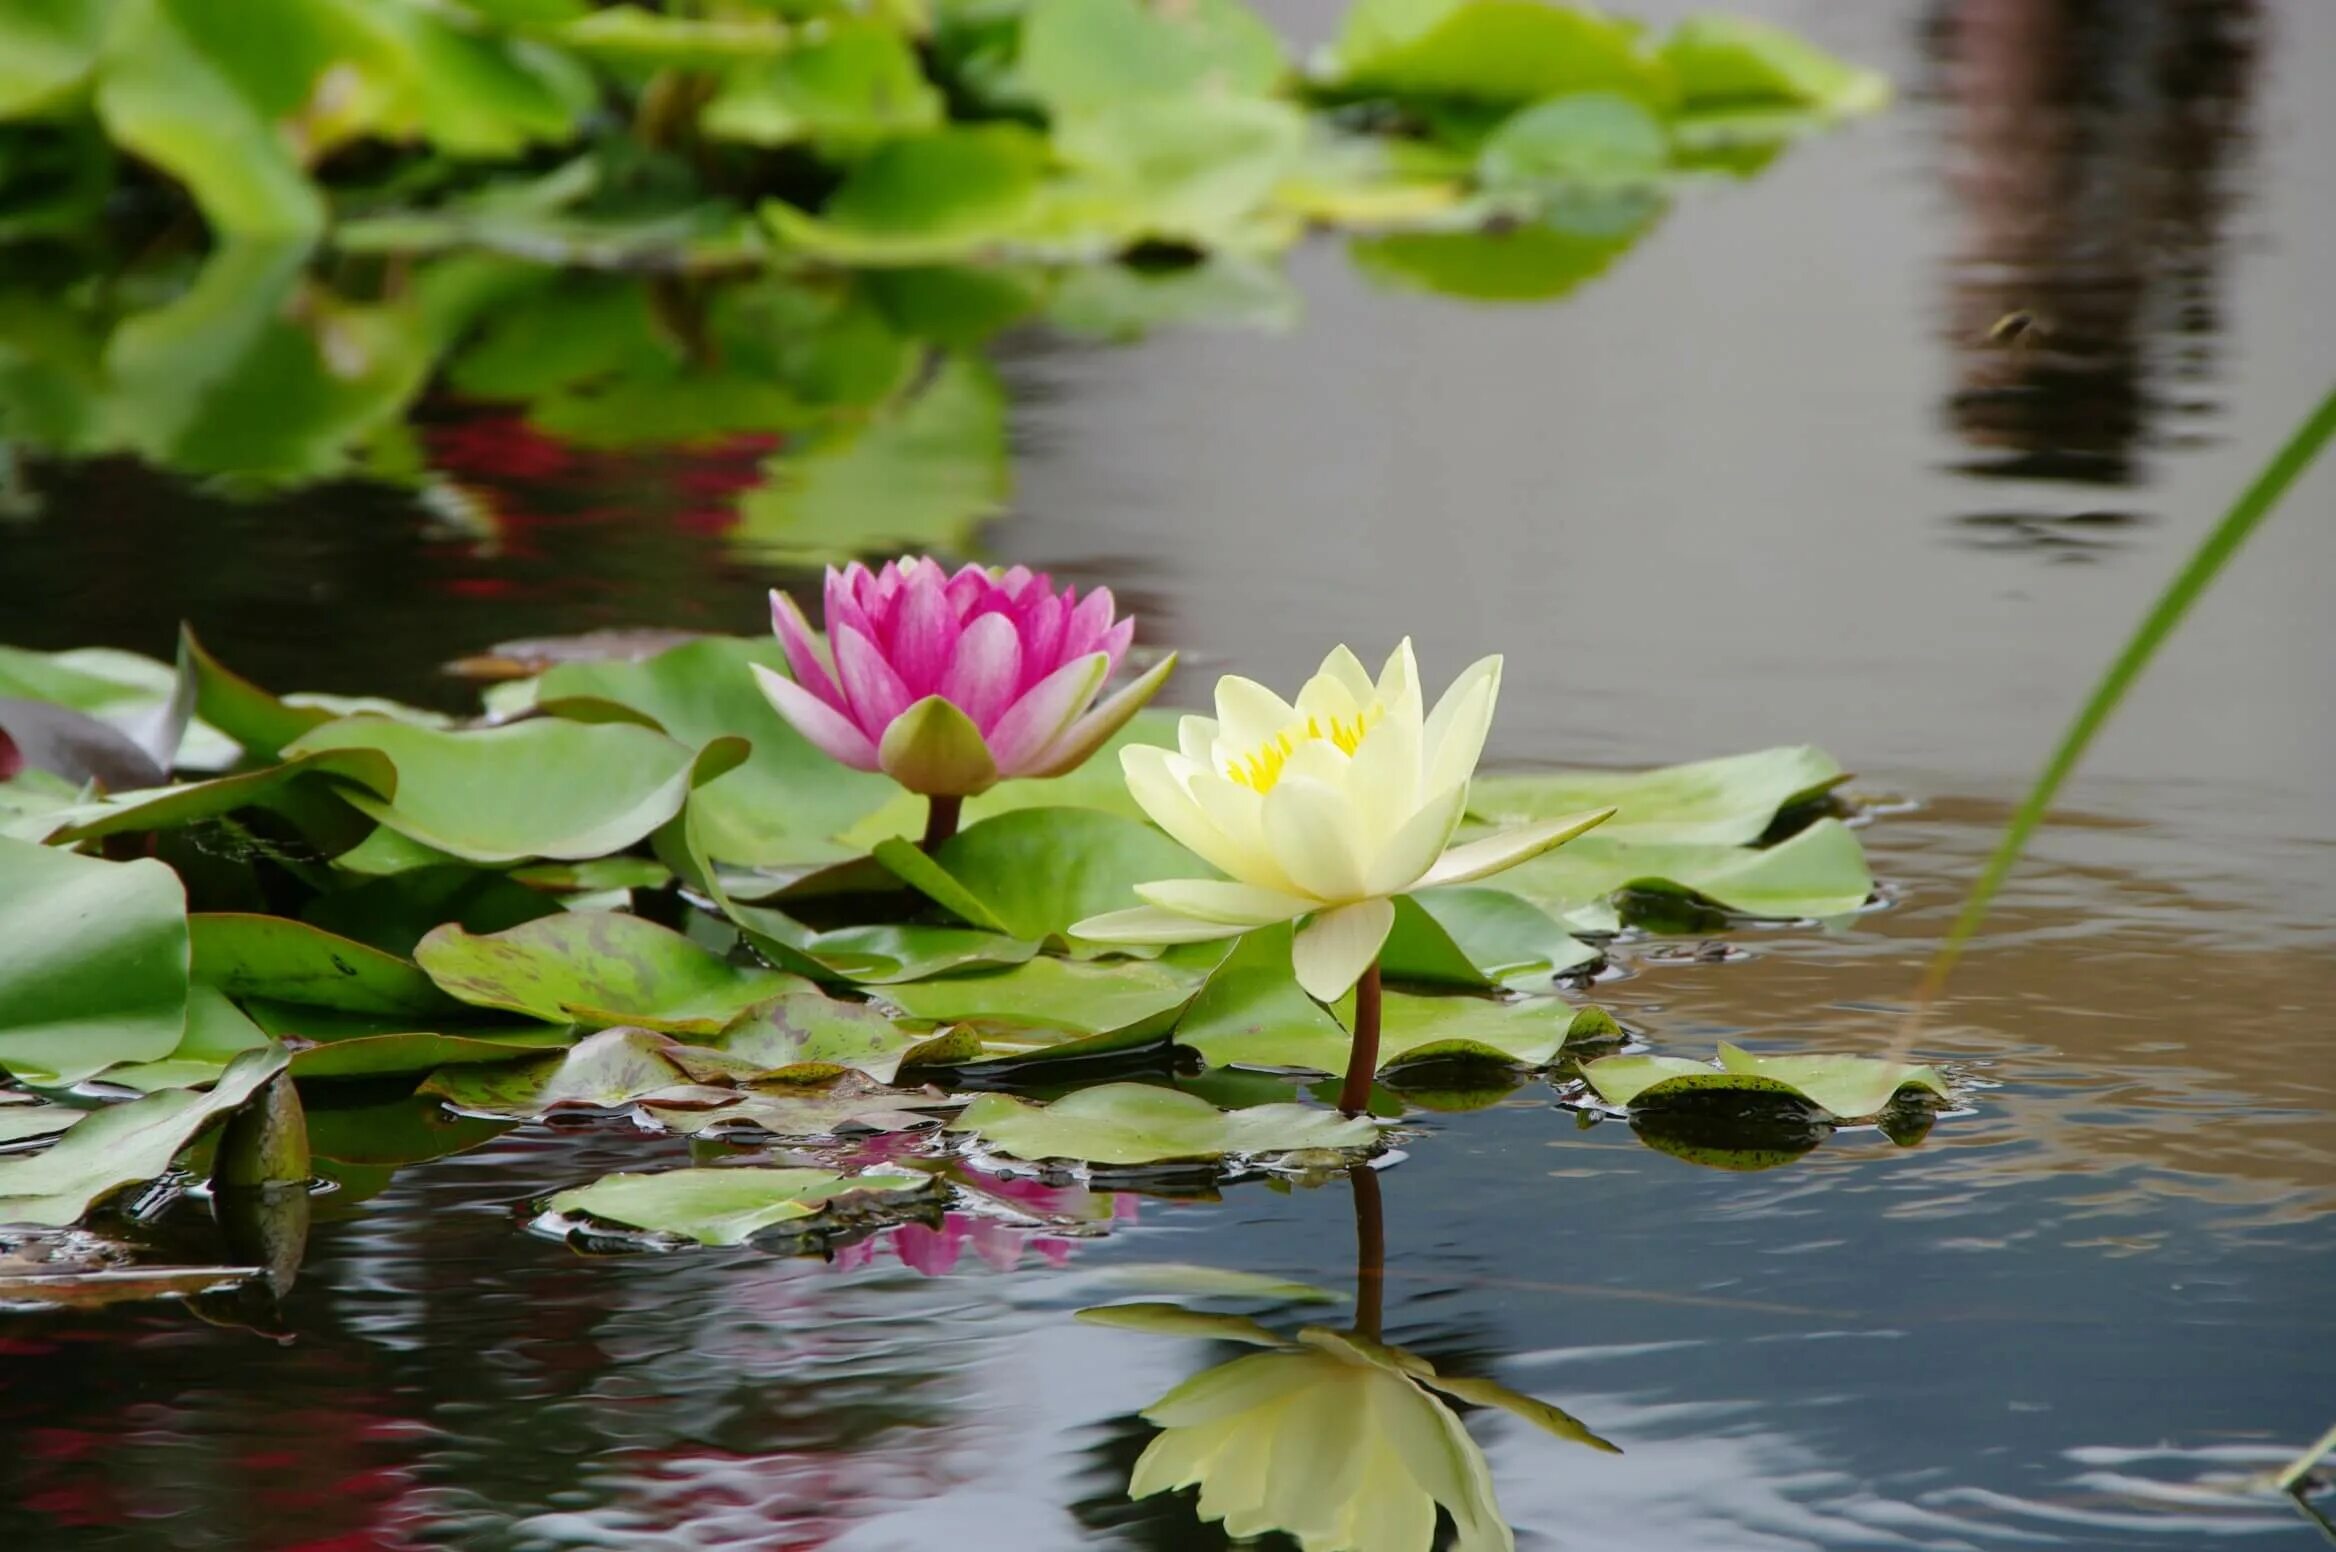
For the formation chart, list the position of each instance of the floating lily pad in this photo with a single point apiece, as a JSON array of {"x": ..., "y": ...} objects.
[
  {"x": 27, "y": 1121},
  {"x": 1725, "y": 802},
  {"x": 783, "y": 803},
  {"x": 1819, "y": 872},
  {"x": 1845, "y": 1088},
  {"x": 601, "y": 1072},
  {"x": 598, "y": 968},
  {"x": 730, "y": 1206},
  {"x": 1501, "y": 51},
  {"x": 806, "y": 1035},
  {"x": 122, "y": 1145},
  {"x": 799, "y": 1111},
  {"x": 287, "y": 961},
  {"x": 876, "y": 955},
  {"x": 95, "y": 968},
  {"x": 1055, "y": 1009},
  {"x": 540, "y": 788},
  {"x": 1032, "y": 872},
  {"x": 217, "y": 1032},
  {"x": 164, "y": 808},
  {"x": 1731, "y": 63},
  {"x": 1136, "y": 1123},
  {"x": 1478, "y": 937},
  {"x": 1157, "y": 1319}
]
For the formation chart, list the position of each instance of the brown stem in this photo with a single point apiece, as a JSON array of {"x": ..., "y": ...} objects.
[
  {"x": 941, "y": 820},
  {"x": 1362, "y": 1063},
  {"x": 1370, "y": 1249}
]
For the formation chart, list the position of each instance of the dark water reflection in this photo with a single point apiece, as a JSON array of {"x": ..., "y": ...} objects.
[{"x": 1700, "y": 507}]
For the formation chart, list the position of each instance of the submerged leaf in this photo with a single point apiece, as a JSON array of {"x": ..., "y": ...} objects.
[
  {"x": 730, "y": 1206},
  {"x": 1136, "y": 1123}
]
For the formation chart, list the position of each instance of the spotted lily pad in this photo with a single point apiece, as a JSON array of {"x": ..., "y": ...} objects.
[
  {"x": 798, "y": 1111},
  {"x": 1845, "y": 1088},
  {"x": 1136, "y": 1123},
  {"x": 805, "y": 1035},
  {"x": 598, "y": 968},
  {"x": 730, "y": 1206},
  {"x": 287, "y": 961},
  {"x": 601, "y": 1072}
]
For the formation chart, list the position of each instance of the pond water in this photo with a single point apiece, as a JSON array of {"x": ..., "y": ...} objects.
[{"x": 1767, "y": 480}]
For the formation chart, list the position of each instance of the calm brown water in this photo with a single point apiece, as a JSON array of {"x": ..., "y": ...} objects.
[{"x": 1763, "y": 482}]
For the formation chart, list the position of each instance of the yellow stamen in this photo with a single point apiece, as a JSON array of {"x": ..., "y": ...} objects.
[{"x": 1260, "y": 769}]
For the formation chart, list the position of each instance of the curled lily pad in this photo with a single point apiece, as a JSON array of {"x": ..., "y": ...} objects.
[
  {"x": 1056, "y": 1009},
  {"x": 730, "y": 1206},
  {"x": 217, "y": 1032},
  {"x": 1819, "y": 872},
  {"x": 1136, "y": 1123},
  {"x": 1845, "y": 1088},
  {"x": 165, "y": 808},
  {"x": 122, "y": 1145},
  {"x": 798, "y": 1111},
  {"x": 540, "y": 788},
  {"x": 601, "y": 1072},
  {"x": 95, "y": 969},
  {"x": 598, "y": 968},
  {"x": 421, "y": 1050},
  {"x": 1477, "y": 937}
]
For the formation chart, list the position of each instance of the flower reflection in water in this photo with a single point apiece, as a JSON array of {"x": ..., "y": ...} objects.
[{"x": 1335, "y": 1438}]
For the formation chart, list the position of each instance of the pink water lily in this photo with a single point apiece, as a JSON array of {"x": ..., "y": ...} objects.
[{"x": 950, "y": 683}]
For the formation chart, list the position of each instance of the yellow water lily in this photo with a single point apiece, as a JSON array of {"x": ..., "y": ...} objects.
[{"x": 1321, "y": 811}]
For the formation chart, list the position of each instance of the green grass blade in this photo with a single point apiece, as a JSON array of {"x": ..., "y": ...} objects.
[{"x": 2205, "y": 564}]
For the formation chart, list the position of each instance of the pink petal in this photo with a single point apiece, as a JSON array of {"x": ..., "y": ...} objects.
[
  {"x": 1088, "y": 623},
  {"x": 1032, "y": 724},
  {"x": 803, "y": 653},
  {"x": 986, "y": 673},
  {"x": 872, "y": 689},
  {"x": 843, "y": 601},
  {"x": 924, "y": 636},
  {"x": 1115, "y": 641},
  {"x": 970, "y": 588},
  {"x": 827, "y": 728},
  {"x": 1015, "y": 579},
  {"x": 1039, "y": 619}
]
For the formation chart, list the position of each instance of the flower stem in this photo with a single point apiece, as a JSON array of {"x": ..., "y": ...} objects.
[
  {"x": 940, "y": 820},
  {"x": 1370, "y": 1249},
  {"x": 1362, "y": 1063}
]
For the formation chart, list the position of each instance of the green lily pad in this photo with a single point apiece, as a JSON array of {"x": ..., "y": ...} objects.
[
  {"x": 1580, "y": 138},
  {"x": 784, "y": 802},
  {"x": 948, "y": 194},
  {"x": 394, "y": 913},
  {"x": 598, "y": 968},
  {"x": 540, "y": 788},
  {"x": 405, "y": 1130},
  {"x": 262, "y": 723},
  {"x": 122, "y": 1145},
  {"x": 1730, "y": 63},
  {"x": 1136, "y": 1123},
  {"x": 1501, "y": 51},
  {"x": 164, "y": 808},
  {"x": 875, "y": 955},
  {"x": 603, "y": 1071},
  {"x": 1158, "y": 1319},
  {"x": 855, "y": 82},
  {"x": 1097, "y": 784},
  {"x": 1057, "y": 1009},
  {"x": 1846, "y": 1088},
  {"x": 730, "y": 1206},
  {"x": 217, "y": 1032},
  {"x": 1032, "y": 872},
  {"x": 805, "y": 1035},
  {"x": 1729, "y": 801},
  {"x": 1534, "y": 261},
  {"x": 23, "y": 1122},
  {"x": 1819, "y": 872},
  {"x": 95, "y": 971},
  {"x": 392, "y": 1051},
  {"x": 283, "y": 960},
  {"x": 1477, "y": 936},
  {"x": 1085, "y": 54}
]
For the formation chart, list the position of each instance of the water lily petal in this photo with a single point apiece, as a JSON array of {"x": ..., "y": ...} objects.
[
  {"x": 1331, "y": 952},
  {"x": 924, "y": 635},
  {"x": 1383, "y": 777},
  {"x": 1238, "y": 815},
  {"x": 1161, "y": 792},
  {"x": 1250, "y": 713},
  {"x": 1343, "y": 666},
  {"x": 1090, "y": 621},
  {"x": 1215, "y": 900},
  {"x": 844, "y": 590},
  {"x": 1039, "y": 615},
  {"x": 1481, "y": 859},
  {"x": 872, "y": 689},
  {"x": 1196, "y": 739},
  {"x": 986, "y": 669},
  {"x": 1454, "y": 735},
  {"x": 829, "y": 729},
  {"x": 806, "y": 655},
  {"x": 935, "y": 749},
  {"x": 1032, "y": 724},
  {"x": 1417, "y": 843},
  {"x": 1399, "y": 681},
  {"x": 1315, "y": 834},
  {"x": 1092, "y": 731},
  {"x": 1150, "y": 924}
]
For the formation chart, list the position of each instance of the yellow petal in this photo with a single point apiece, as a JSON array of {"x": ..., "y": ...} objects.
[
  {"x": 1239, "y": 814},
  {"x": 1150, "y": 924},
  {"x": 1156, "y": 780},
  {"x": 1417, "y": 844},
  {"x": 1196, "y": 739},
  {"x": 1481, "y": 859},
  {"x": 1214, "y": 900},
  {"x": 1343, "y": 666},
  {"x": 1454, "y": 736},
  {"x": 1331, "y": 952},
  {"x": 1248, "y": 713},
  {"x": 1313, "y": 831},
  {"x": 1383, "y": 777},
  {"x": 1399, "y": 681}
]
